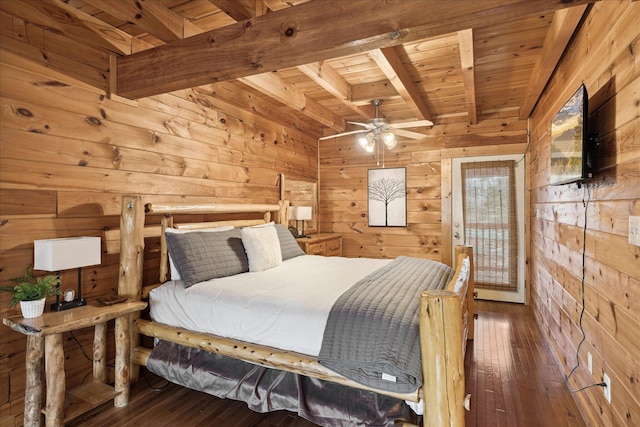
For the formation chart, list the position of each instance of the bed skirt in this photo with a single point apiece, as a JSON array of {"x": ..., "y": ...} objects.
[{"x": 264, "y": 389}]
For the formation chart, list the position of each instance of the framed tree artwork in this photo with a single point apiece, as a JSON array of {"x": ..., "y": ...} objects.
[{"x": 387, "y": 197}]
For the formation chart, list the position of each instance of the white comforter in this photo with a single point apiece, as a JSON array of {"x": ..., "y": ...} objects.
[{"x": 285, "y": 307}]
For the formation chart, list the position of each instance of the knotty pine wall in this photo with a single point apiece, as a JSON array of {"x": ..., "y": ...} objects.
[
  {"x": 68, "y": 153},
  {"x": 604, "y": 54}
]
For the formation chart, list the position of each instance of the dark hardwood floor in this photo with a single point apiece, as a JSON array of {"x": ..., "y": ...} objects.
[{"x": 512, "y": 376}]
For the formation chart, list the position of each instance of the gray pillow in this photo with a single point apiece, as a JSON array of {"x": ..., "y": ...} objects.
[
  {"x": 288, "y": 245},
  {"x": 201, "y": 256}
]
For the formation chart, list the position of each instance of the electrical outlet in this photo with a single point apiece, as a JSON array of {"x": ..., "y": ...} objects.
[
  {"x": 634, "y": 230},
  {"x": 607, "y": 387},
  {"x": 590, "y": 362}
]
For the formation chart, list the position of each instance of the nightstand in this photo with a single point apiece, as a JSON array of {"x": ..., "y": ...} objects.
[
  {"x": 45, "y": 347},
  {"x": 327, "y": 244}
]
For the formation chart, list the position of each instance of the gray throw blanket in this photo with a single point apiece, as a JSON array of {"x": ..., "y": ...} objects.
[{"x": 372, "y": 333}]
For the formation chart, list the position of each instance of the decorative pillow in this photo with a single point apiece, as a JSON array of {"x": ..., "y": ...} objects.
[
  {"x": 262, "y": 247},
  {"x": 201, "y": 256},
  {"x": 288, "y": 245},
  {"x": 175, "y": 275}
]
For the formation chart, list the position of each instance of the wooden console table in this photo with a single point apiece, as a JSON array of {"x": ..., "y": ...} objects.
[{"x": 45, "y": 345}]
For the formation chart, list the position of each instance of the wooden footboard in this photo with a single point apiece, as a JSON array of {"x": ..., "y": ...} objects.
[{"x": 446, "y": 320}]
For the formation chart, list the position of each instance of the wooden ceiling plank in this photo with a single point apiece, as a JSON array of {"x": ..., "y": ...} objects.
[
  {"x": 238, "y": 102},
  {"x": 150, "y": 16},
  {"x": 235, "y": 9},
  {"x": 330, "y": 80},
  {"x": 276, "y": 5},
  {"x": 465, "y": 42},
  {"x": 563, "y": 25},
  {"x": 391, "y": 65},
  {"x": 59, "y": 16},
  {"x": 292, "y": 37},
  {"x": 363, "y": 93},
  {"x": 271, "y": 85}
]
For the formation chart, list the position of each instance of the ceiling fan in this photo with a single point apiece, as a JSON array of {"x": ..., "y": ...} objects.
[{"x": 379, "y": 129}]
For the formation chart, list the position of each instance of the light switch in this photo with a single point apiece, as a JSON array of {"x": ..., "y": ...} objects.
[{"x": 634, "y": 230}]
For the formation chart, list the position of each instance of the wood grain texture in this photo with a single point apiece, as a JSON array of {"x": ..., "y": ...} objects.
[{"x": 235, "y": 51}]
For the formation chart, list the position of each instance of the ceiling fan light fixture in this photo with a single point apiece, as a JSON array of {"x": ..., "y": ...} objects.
[
  {"x": 367, "y": 142},
  {"x": 389, "y": 139}
]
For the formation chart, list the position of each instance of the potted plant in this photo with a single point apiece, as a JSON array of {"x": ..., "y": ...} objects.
[{"x": 32, "y": 292}]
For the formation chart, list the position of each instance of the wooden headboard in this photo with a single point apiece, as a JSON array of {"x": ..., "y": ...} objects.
[{"x": 128, "y": 240}]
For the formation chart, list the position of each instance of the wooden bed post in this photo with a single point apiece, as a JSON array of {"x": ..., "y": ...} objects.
[
  {"x": 446, "y": 320},
  {"x": 283, "y": 212},
  {"x": 442, "y": 359},
  {"x": 130, "y": 277},
  {"x": 468, "y": 249},
  {"x": 166, "y": 222}
]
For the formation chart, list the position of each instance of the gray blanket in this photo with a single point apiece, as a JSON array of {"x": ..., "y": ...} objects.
[{"x": 372, "y": 333}]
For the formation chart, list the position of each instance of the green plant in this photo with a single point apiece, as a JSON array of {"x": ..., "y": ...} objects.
[{"x": 29, "y": 288}]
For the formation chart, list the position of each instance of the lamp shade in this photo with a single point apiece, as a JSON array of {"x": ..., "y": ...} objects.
[
  {"x": 300, "y": 212},
  {"x": 66, "y": 253}
]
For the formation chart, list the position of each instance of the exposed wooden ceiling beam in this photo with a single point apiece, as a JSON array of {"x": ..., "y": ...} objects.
[
  {"x": 563, "y": 26},
  {"x": 306, "y": 33},
  {"x": 465, "y": 46},
  {"x": 323, "y": 74},
  {"x": 330, "y": 80},
  {"x": 272, "y": 86},
  {"x": 389, "y": 62},
  {"x": 73, "y": 23},
  {"x": 150, "y": 16}
]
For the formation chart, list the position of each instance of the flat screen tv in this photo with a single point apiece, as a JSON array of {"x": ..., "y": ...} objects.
[{"x": 570, "y": 141}]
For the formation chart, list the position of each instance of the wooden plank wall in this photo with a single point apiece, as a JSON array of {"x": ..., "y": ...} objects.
[
  {"x": 68, "y": 153},
  {"x": 604, "y": 54}
]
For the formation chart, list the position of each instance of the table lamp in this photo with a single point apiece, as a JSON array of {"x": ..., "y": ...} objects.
[
  {"x": 300, "y": 213},
  {"x": 63, "y": 254}
]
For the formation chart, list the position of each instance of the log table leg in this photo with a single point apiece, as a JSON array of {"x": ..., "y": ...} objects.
[
  {"x": 34, "y": 389},
  {"x": 123, "y": 341},
  {"x": 99, "y": 360},
  {"x": 54, "y": 368}
]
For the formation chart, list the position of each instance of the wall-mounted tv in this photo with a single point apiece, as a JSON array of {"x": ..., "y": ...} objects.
[{"x": 570, "y": 141}]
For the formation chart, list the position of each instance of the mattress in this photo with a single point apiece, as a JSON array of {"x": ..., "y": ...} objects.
[{"x": 285, "y": 307}]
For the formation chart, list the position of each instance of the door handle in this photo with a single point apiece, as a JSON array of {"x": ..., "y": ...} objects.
[{"x": 456, "y": 235}]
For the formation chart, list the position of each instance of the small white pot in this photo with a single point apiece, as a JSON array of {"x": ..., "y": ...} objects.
[{"x": 31, "y": 309}]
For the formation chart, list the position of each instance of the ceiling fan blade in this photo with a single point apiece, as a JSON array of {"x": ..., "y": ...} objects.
[
  {"x": 409, "y": 134},
  {"x": 366, "y": 125},
  {"x": 343, "y": 134},
  {"x": 413, "y": 124}
]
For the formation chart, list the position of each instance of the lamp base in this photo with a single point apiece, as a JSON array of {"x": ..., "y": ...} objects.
[{"x": 66, "y": 305}]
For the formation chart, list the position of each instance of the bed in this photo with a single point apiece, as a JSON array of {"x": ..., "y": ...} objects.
[{"x": 443, "y": 317}]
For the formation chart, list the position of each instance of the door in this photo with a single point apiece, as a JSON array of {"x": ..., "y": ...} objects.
[{"x": 488, "y": 213}]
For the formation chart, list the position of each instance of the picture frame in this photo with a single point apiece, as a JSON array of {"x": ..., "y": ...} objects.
[{"x": 387, "y": 197}]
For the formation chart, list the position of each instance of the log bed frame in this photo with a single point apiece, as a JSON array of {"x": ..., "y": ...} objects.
[{"x": 446, "y": 316}]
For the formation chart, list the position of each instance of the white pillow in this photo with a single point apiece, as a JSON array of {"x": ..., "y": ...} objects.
[
  {"x": 262, "y": 246},
  {"x": 175, "y": 275}
]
